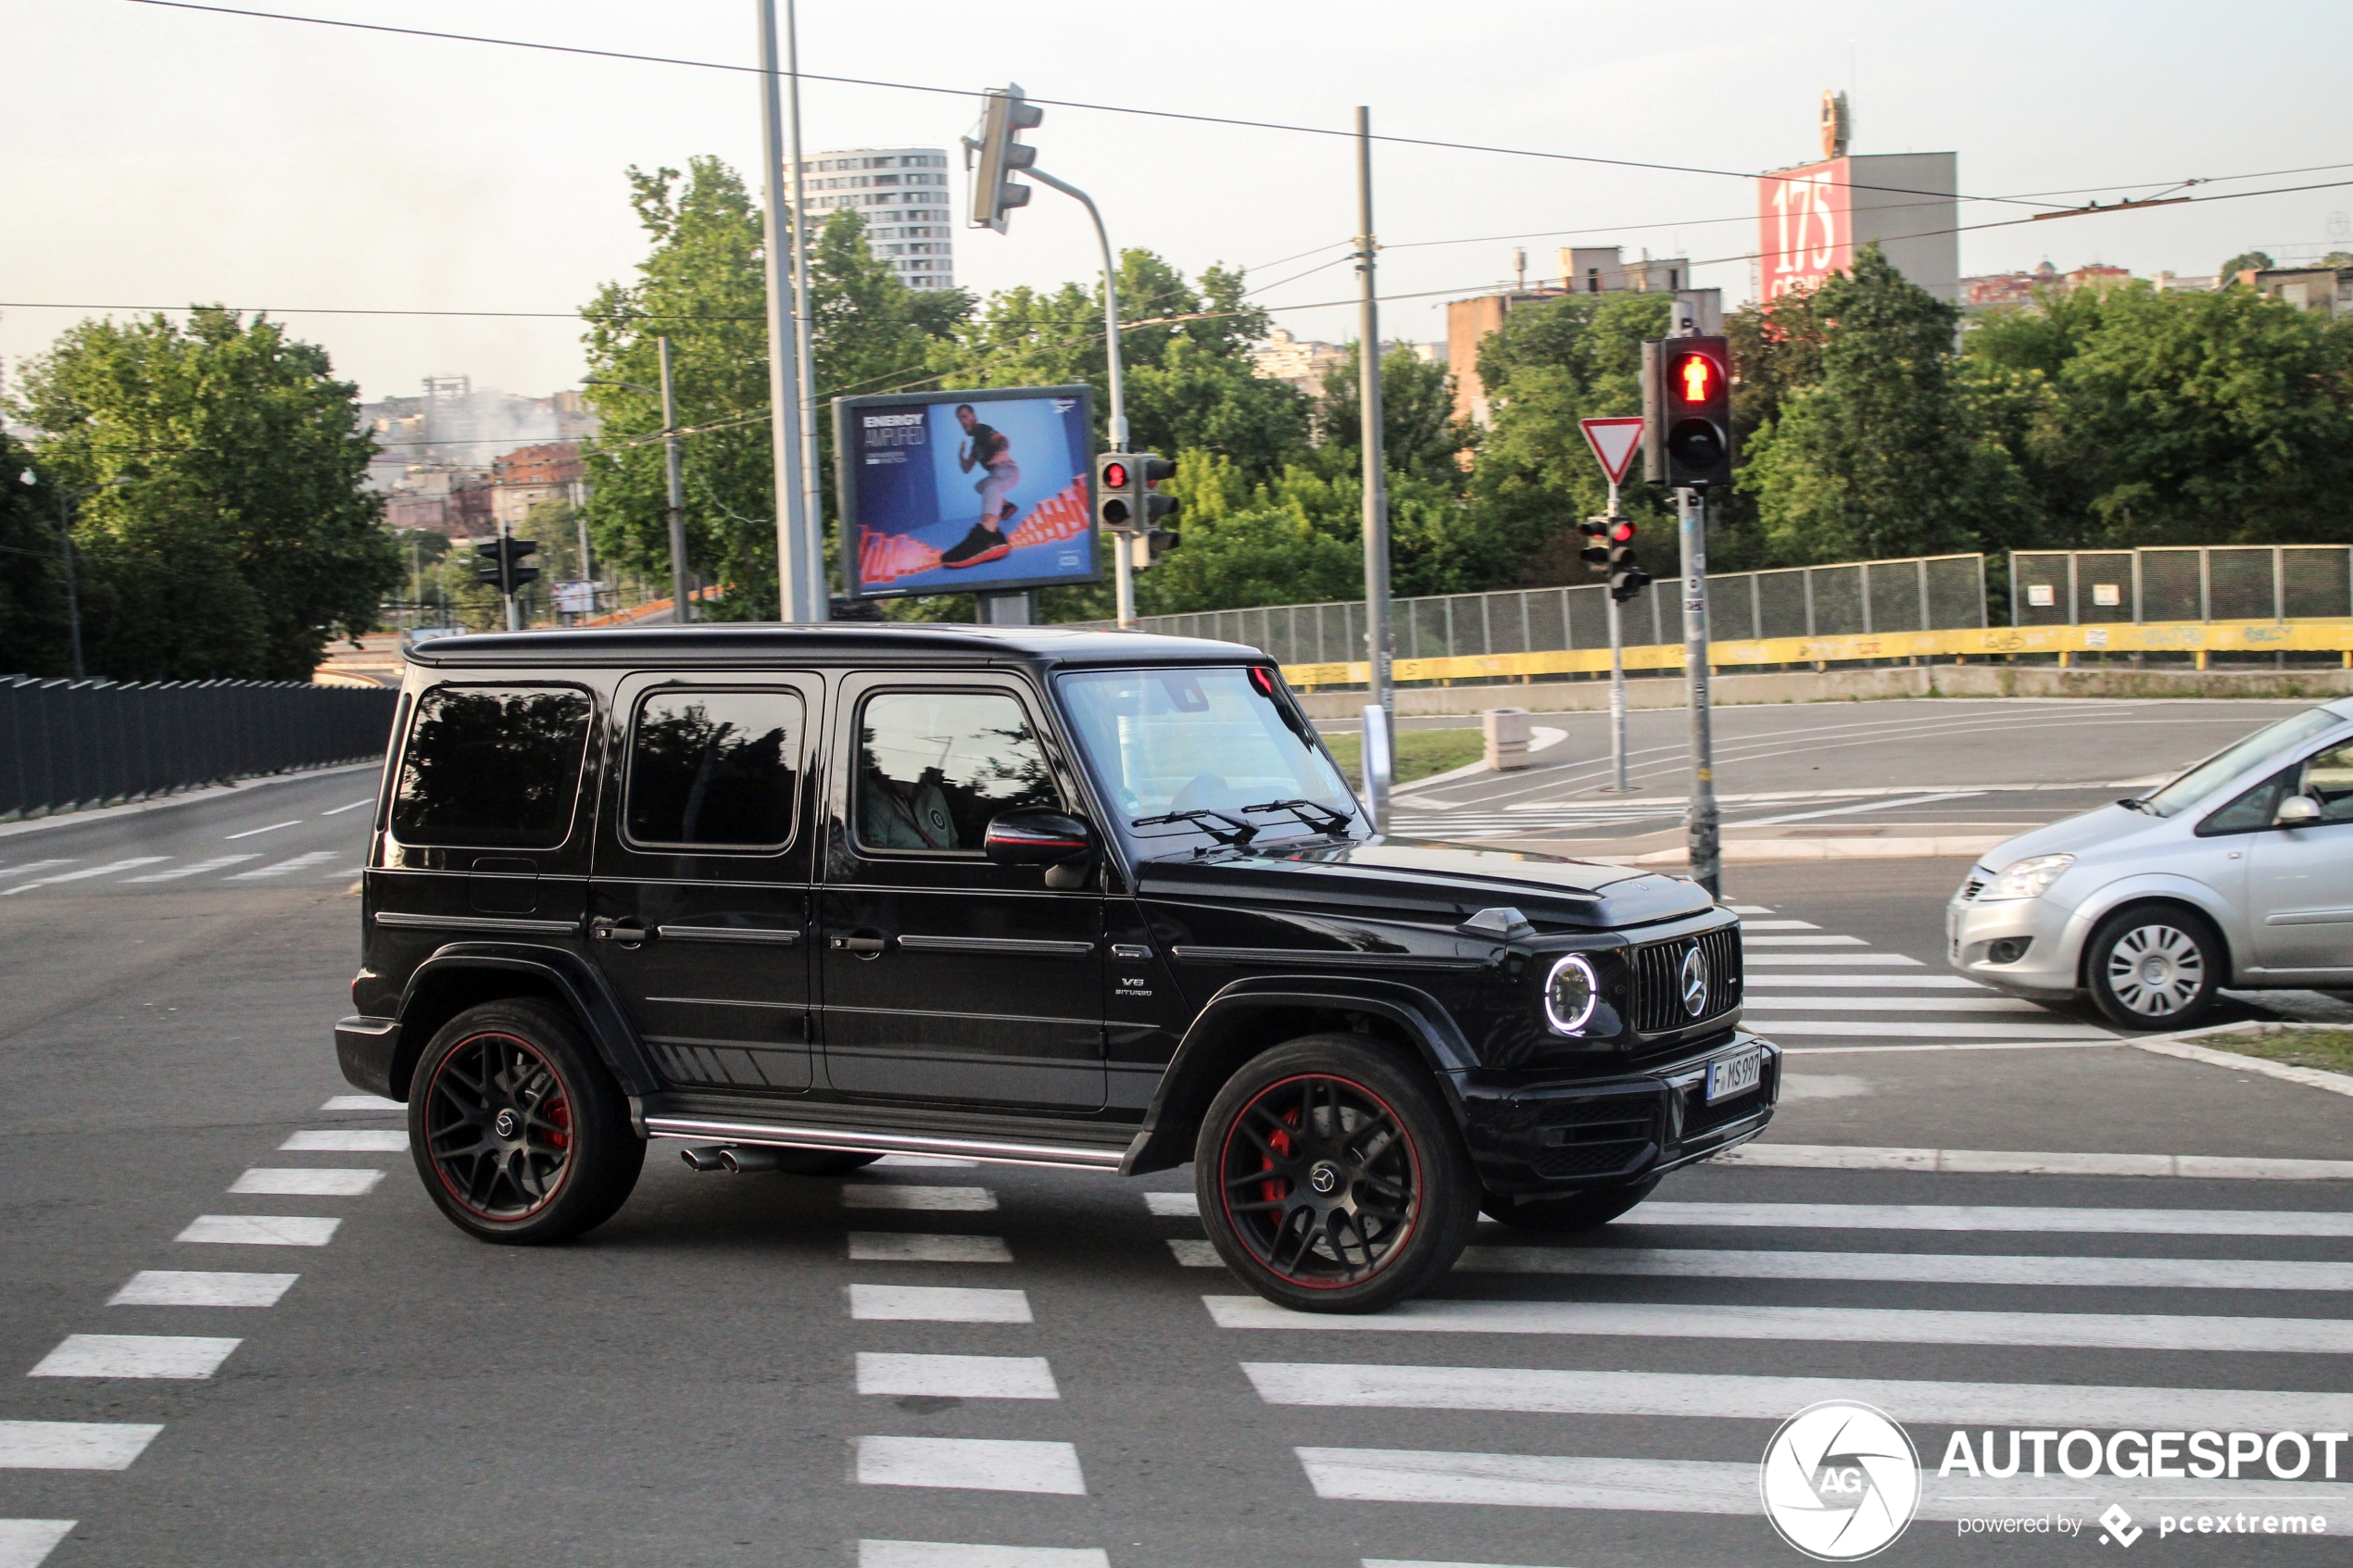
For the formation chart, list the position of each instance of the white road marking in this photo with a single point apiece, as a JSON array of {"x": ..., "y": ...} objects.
[
  {"x": 339, "y": 810},
  {"x": 936, "y": 1161},
  {"x": 27, "y": 1543},
  {"x": 1668, "y": 1486},
  {"x": 957, "y": 1377},
  {"x": 259, "y": 1230},
  {"x": 280, "y": 1182},
  {"x": 2006, "y": 1162},
  {"x": 1174, "y": 1205},
  {"x": 1970, "y": 1217},
  {"x": 135, "y": 1355},
  {"x": 190, "y": 1288},
  {"x": 924, "y": 1199},
  {"x": 1852, "y": 811},
  {"x": 1549, "y": 1392},
  {"x": 1748, "y": 909},
  {"x": 345, "y": 1140},
  {"x": 957, "y": 1554},
  {"x": 2157, "y": 1274},
  {"x": 9, "y": 873},
  {"x": 72, "y": 1445},
  {"x": 1902, "y": 982},
  {"x": 1857, "y": 960},
  {"x": 1818, "y": 1028},
  {"x": 971, "y": 1465},
  {"x": 217, "y": 862},
  {"x": 1649, "y": 1320},
  {"x": 892, "y": 1247},
  {"x": 132, "y": 864},
  {"x": 300, "y": 862},
  {"x": 1748, "y": 941},
  {"x": 1748, "y": 925},
  {"x": 255, "y": 833},
  {"x": 2110, "y": 1042},
  {"x": 362, "y": 1102},
  {"x": 1899, "y": 1004},
  {"x": 919, "y": 1304}
]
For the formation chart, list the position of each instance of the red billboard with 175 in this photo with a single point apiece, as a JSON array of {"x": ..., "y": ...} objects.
[{"x": 1803, "y": 231}]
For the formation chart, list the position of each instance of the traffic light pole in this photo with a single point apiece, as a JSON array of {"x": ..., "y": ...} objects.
[
  {"x": 1616, "y": 676},
  {"x": 506, "y": 577},
  {"x": 681, "y": 606},
  {"x": 1700, "y": 816},
  {"x": 1123, "y": 569},
  {"x": 800, "y": 585},
  {"x": 1377, "y": 645}
]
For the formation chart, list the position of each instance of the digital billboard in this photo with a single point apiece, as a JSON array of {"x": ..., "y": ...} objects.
[{"x": 961, "y": 492}]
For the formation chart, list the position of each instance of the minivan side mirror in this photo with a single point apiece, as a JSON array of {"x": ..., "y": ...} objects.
[
  {"x": 1031, "y": 836},
  {"x": 2296, "y": 812}
]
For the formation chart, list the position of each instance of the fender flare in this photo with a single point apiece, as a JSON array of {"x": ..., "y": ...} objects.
[
  {"x": 575, "y": 981},
  {"x": 2164, "y": 886},
  {"x": 1209, "y": 1052}
]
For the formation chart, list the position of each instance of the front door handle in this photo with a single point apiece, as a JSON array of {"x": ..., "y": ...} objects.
[
  {"x": 864, "y": 947},
  {"x": 628, "y": 933}
]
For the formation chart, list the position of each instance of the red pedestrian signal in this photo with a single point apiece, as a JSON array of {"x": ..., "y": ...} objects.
[
  {"x": 1697, "y": 379},
  {"x": 1687, "y": 411},
  {"x": 1622, "y": 533},
  {"x": 1115, "y": 476}
]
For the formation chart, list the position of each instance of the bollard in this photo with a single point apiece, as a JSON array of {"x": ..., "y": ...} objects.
[{"x": 1506, "y": 731}]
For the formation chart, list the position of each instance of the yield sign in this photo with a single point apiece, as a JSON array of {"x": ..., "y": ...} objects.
[{"x": 1614, "y": 442}]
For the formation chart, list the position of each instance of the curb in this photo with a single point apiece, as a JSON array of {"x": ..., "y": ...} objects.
[{"x": 2180, "y": 1047}]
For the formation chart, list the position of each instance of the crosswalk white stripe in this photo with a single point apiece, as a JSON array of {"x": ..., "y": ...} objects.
[
  {"x": 1748, "y": 909},
  {"x": 1846, "y": 1028},
  {"x": 921, "y": 1199},
  {"x": 2097, "y": 1331},
  {"x": 1898, "y": 1004},
  {"x": 305, "y": 1181},
  {"x": 191, "y": 1288},
  {"x": 916, "y": 1303},
  {"x": 130, "y": 864},
  {"x": 27, "y": 1543},
  {"x": 259, "y": 1230},
  {"x": 217, "y": 862},
  {"x": 1976, "y": 1217},
  {"x": 1676, "y": 1485},
  {"x": 1173, "y": 1205},
  {"x": 1826, "y": 941},
  {"x": 135, "y": 1355},
  {"x": 1855, "y": 960},
  {"x": 977, "y": 1464},
  {"x": 345, "y": 1140},
  {"x": 1900, "y": 982},
  {"x": 9, "y": 873},
  {"x": 1748, "y": 925},
  {"x": 73, "y": 1444},
  {"x": 1923, "y": 1268},
  {"x": 361, "y": 1102},
  {"x": 282, "y": 867},
  {"x": 1548, "y": 1391},
  {"x": 894, "y": 1246},
  {"x": 957, "y": 1554},
  {"x": 957, "y": 1377}
]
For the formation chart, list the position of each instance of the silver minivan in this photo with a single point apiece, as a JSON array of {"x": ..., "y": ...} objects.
[{"x": 2238, "y": 872}]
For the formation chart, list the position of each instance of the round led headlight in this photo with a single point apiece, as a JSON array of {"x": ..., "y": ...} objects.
[{"x": 1571, "y": 993}]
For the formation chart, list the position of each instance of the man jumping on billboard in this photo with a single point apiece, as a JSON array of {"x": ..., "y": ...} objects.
[{"x": 991, "y": 452}]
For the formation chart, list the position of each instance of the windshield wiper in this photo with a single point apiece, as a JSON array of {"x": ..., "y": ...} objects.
[
  {"x": 1308, "y": 811},
  {"x": 1238, "y": 832}
]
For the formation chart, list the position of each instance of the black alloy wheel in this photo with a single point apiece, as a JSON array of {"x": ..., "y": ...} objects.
[
  {"x": 1331, "y": 1178},
  {"x": 519, "y": 1132},
  {"x": 1583, "y": 1210},
  {"x": 2155, "y": 967}
]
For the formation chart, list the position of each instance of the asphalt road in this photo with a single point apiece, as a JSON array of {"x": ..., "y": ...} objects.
[{"x": 735, "y": 1371}]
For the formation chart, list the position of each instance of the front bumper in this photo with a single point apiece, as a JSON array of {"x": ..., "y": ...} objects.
[
  {"x": 2053, "y": 940},
  {"x": 1560, "y": 1136}
]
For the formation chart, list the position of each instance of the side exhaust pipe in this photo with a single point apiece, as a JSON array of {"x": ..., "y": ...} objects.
[
  {"x": 704, "y": 1159},
  {"x": 743, "y": 1161}
]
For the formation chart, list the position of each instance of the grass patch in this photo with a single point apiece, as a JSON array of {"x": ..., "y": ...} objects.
[
  {"x": 1420, "y": 753},
  {"x": 2331, "y": 1050}
]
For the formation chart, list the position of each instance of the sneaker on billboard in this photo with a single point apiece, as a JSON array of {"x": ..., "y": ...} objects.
[{"x": 982, "y": 544}]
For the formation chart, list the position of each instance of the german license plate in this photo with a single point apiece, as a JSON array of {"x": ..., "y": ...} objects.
[{"x": 1735, "y": 1074}]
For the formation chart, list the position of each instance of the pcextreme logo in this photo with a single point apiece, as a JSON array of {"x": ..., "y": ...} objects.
[{"x": 1840, "y": 1481}]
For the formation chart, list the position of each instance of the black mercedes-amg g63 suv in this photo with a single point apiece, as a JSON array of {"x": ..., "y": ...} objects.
[{"x": 806, "y": 895}]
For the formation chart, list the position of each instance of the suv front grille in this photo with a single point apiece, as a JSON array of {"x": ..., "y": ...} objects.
[{"x": 1658, "y": 998}]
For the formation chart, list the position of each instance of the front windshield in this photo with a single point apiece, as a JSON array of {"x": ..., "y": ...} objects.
[
  {"x": 2210, "y": 776},
  {"x": 1187, "y": 752}
]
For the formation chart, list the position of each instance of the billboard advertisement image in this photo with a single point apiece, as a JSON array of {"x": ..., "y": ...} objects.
[
  {"x": 1805, "y": 232},
  {"x": 961, "y": 492}
]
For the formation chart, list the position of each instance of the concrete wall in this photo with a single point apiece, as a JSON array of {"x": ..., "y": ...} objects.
[{"x": 1856, "y": 686}]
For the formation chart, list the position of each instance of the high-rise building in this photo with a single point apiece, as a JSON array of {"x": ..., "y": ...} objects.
[{"x": 902, "y": 195}]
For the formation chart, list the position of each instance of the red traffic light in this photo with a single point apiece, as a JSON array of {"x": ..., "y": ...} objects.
[
  {"x": 1697, "y": 379},
  {"x": 1115, "y": 476},
  {"x": 1622, "y": 533}
]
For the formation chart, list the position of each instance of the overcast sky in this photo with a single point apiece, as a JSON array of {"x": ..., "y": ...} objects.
[{"x": 153, "y": 157}]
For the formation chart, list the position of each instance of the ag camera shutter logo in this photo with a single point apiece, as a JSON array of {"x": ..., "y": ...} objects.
[{"x": 1840, "y": 1481}]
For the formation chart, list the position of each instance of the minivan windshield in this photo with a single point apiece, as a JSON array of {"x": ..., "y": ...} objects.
[
  {"x": 2207, "y": 778},
  {"x": 1208, "y": 750}
]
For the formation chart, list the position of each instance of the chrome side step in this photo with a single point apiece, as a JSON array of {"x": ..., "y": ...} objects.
[{"x": 782, "y": 1135}]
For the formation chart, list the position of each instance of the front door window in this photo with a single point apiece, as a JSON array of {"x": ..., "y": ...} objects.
[{"x": 933, "y": 766}]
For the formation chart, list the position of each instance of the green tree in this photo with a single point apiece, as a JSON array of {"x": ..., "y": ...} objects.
[
  {"x": 245, "y": 537},
  {"x": 1418, "y": 431},
  {"x": 1882, "y": 456},
  {"x": 32, "y": 599},
  {"x": 2256, "y": 259}
]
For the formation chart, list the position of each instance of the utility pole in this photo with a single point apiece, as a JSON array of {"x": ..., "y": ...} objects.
[
  {"x": 73, "y": 595},
  {"x": 682, "y": 610},
  {"x": 812, "y": 494},
  {"x": 1706, "y": 854},
  {"x": 1123, "y": 569},
  {"x": 1382, "y": 710},
  {"x": 797, "y": 581},
  {"x": 1616, "y": 674}
]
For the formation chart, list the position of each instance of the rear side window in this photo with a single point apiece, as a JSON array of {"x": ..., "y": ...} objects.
[
  {"x": 491, "y": 767},
  {"x": 714, "y": 769}
]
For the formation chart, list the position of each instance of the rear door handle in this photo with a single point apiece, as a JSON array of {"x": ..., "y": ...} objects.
[{"x": 865, "y": 946}]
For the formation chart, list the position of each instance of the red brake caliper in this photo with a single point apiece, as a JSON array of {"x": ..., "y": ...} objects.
[
  {"x": 1273, "y": 1190},
  {"x": 561, "y": 1115}
]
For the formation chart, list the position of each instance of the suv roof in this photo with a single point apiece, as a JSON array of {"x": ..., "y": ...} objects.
[{"x": 755, "y": 642}]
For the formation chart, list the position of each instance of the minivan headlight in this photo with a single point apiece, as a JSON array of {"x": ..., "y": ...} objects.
[
  {"x": 2029, "y": 878},
  {"x": 1571, "y": 993}
]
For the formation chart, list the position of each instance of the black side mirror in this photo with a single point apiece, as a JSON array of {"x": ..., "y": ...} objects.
[{"x": 1034, "y": 837}]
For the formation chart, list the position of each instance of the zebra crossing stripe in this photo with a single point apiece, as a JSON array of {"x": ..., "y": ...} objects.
[
  {"x": 971, "y": 1465},
  {"x": 1545, "y": 1391},
  {"x": 26, "y": 1543},
  {"x": 1873, "y": 1029},
  {"x": 217, "y": 862},
  {"x": 2152, "y": 1273},
  {"x": 135, "y": 1355},
  {"x": 132, "y": 863},
  {"x": 1975, "y": 1217},
  {"x": 1647, "y": 1320},
  {"x": 957, "y": 1377},
  {"x": 72, "y": 1445},
  {"x": 956, "y": 1554},
  {"x": 919, "y": 1304},
  {"x": 1814, "y": 961}
]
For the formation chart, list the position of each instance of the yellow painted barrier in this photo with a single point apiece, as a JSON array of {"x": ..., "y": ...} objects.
[{"x": 2170, "y": 636}]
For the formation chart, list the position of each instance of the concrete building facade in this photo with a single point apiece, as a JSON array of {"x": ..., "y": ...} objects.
[
  {"x": 902, "y": 195},
  {"x": 1583, "y": 269}
]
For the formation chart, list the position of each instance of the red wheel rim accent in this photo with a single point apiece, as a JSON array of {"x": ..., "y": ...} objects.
[
  {"x": 498, "y": 1127},
  {"x": 1312, "y": 1128}
]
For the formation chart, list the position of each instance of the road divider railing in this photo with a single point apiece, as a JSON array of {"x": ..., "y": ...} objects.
[{"x": 2199, "y": 638}]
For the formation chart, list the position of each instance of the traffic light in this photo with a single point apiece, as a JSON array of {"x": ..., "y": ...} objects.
[
  {"x": 1687, "y": 411},
  {"x": 1117, "y": 490},
  {"x": 1151, "y": 469},
  {"x": 997, "y": 154},
  {"x": 1626, "y": 579},
  {"x": 1596, "y": 554},
  {"x": 1149, "y": 546},
  {"x": 502, "y": 563}
]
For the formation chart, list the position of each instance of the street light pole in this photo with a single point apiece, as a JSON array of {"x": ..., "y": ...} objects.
[
  {"x": 682, "y": 608},
  {"x": 1382, "y": 710},
  {"x": 804, "y": 340},
  {"x": 796, "y": 581},
  {"x": 1123, "y": 569}
]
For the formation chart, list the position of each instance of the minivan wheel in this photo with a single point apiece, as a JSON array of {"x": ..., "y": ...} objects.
[
  {"x": 1331, "y": 1179},
  {"x": 2154, "y": 968},
  {"x": 1584, "y": 1211},
  {"x": 520, "y": 1135}
]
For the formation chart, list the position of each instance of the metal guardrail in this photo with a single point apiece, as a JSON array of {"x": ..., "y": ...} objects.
[{"x": 70, "y": 744}]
